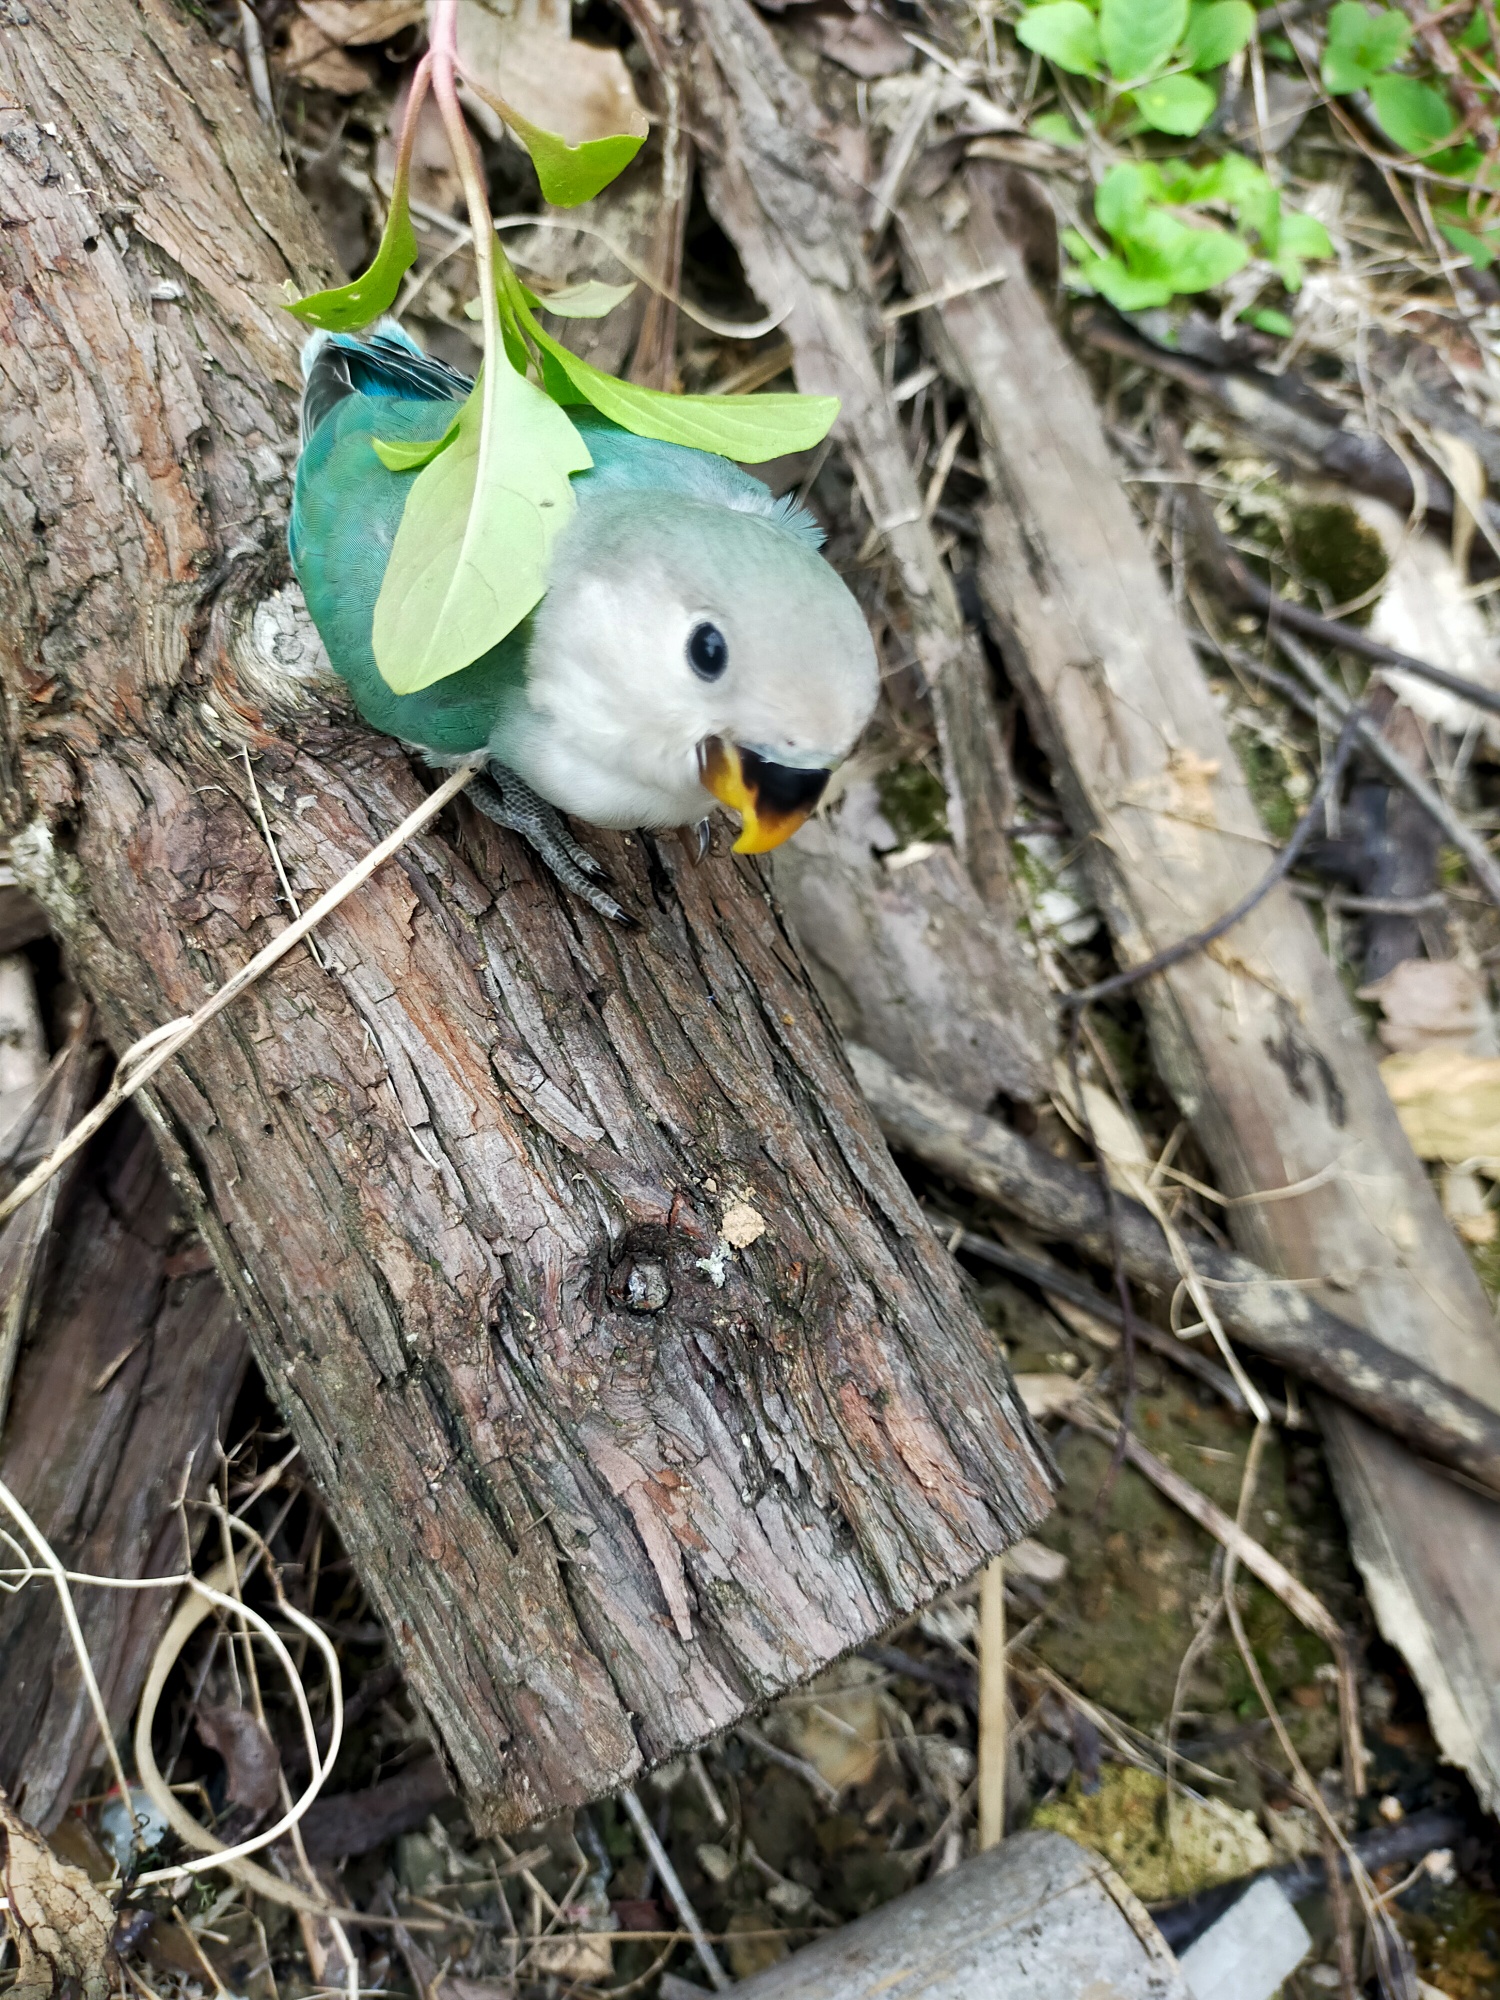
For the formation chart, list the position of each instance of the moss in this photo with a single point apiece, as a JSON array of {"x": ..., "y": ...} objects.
[
  {"x": 1267, "y": 768},
  {"x": 1332, "y": 547},
  {"x": 1139, "y": 1573},
  {"x": 1456, "y": 1938},
  {"x": 913, "y": 800},
  {"x": 1126, "y": 1821}
]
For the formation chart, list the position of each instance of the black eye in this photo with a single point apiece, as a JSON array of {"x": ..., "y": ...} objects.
[{"x": 707, "y": 651}]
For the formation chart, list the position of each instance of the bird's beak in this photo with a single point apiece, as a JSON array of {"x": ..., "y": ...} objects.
[{"x": 772, "y": 800}]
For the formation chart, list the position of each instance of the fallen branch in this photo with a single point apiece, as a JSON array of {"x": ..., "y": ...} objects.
[
  {"x": 1276, "y": 1319},
  {"x": 1481, "y": 863}
]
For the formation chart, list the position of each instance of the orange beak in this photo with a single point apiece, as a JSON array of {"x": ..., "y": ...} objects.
[{"x": 772, "y": 800}]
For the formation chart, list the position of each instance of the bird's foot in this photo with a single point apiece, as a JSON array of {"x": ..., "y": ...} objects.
[{"x": 503, "y": 798}]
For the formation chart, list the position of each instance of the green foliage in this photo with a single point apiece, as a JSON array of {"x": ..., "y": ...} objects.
[
  {"x": 573, "y": 174},
  {"x": 750, "y": 429},
  {"x": 1360, "y": 44},
  {"x": 1216, "y": 33},
  {"x": 1149, "y": 48},
  {"x": 1413, "y": 115},
  {"x": 1179, "y": 105},
  {"x": 470, "y": 556},
  {"x": 1066, "y": 33},
  {"x": 914, "y": 801},
  {"x": 405, "y": 455},
  {"x": 1165, "y": 243},
  {"x": 1137, "y": 36},
  {"x": 590, "y": 300},
  {"x": 345, "y": 308}
]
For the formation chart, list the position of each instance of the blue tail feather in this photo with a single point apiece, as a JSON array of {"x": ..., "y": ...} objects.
[{"x": 387, "y": 362}]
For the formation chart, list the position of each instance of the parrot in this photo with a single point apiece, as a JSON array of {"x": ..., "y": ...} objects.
[{"x": 692, "y": 643}]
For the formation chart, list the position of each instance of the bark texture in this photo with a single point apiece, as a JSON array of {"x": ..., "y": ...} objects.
[
  {"x": 1254, "y": 1034},
  {"x": 633, "y": 1378}
]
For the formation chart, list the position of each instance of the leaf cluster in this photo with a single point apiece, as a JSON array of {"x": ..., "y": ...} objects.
[
  {"x": 1153, "y": 53},
  {"x": 1160, "y": 218}
]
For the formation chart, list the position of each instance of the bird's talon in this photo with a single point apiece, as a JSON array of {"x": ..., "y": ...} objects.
[{"x": 700, "y": 838}]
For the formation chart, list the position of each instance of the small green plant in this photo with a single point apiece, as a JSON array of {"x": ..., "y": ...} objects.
[
  {"x": 1165, "y": 240},
  {"x": 1361, "y": 53},
  {"x": 500, "y": 475},
  {"x": 1152, "y": 54}
]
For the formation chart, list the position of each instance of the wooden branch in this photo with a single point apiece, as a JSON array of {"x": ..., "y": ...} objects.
[
  {"x": 1276, "y": 1319},
  {"x": 632, "y": 1376},
  {"x": 1255, "y": 1037}
]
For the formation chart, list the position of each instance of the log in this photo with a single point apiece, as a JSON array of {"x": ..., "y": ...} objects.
[
  {"x": 1035, "y": 1915},
  {"x": 1276, "y": 1319},
  {"x": 128, "y": 1379},
  {"x": 1254, "y": 1036},
  {"x": 631, "y": 1375}
]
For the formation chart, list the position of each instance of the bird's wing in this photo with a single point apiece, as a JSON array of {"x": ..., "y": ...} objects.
[
  {"x": 387, "y": 363},
  {"x": 345, "y": 512},
  {"x": 623, "y": 461}
]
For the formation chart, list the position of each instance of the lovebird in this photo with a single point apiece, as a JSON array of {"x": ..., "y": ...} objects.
[{"x": 692, "y": 643}]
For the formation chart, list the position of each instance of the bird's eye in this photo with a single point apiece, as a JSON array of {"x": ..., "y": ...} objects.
[{"x": 707, "y": 651}]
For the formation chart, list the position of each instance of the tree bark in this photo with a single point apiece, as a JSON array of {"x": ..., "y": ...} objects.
[{"x": 635, "y": 1383}]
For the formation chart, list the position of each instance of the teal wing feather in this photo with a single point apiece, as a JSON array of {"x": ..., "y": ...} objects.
[
  {"x": 347, "y": 506},
  {"x": 345, "y": 512}
]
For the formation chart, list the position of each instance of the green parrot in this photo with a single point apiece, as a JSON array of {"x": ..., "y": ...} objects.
[{"x": 692, "y": 643}]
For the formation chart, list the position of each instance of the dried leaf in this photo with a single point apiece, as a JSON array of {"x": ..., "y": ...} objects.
[
  {"x": 309, "y": 56},
  {"x": 1431, "y": 1004},
  {"x": 60, "y": 1924},
  {"x": 866, "y": 44},
  {"x": 348, "y": 23},
  {"x": 836, "y": 1724},
  {"x": 1448, "y": 1104},
  {"x": 250, "y": 1756}
]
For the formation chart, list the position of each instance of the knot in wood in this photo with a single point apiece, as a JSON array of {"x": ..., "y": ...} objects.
[{"x": 640, "y": 1284}]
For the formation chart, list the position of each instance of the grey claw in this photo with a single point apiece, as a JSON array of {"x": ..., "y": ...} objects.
[
  {"x": 503, "y": 798},
  {"x": 700, "y": 838}
]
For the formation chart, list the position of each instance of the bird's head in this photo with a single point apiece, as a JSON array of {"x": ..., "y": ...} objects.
[{"x": 691, "y": 648}]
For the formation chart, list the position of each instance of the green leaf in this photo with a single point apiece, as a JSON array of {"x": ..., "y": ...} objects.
[
  {"x": 1181, "y": 105},
  {"x": 1361, "y": 44},
  {"x": 1478, "y": 252},
  {"x": 348, "y": 307},
  {"x": 1056, "y": 130},
  {"x": 1477, "y": 34},
  {"x": 1266, "y": 320},
  {"x": 591, "y": 299},
  {"x": 1121, "y": 196},
  {"x": 470, "y": 556},
  {"x": 1216, "y": 33},
  {"x": 1125, "y": 291},
  {"x": 1065, "y": 32},
  {"x": 1413, "y": 115},
  {"x": 569, "y": 174},
  {"x": 1137, "y": 36},
  {"x": 749, "y": 429},
  {"x": 402, "y": 455}
]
